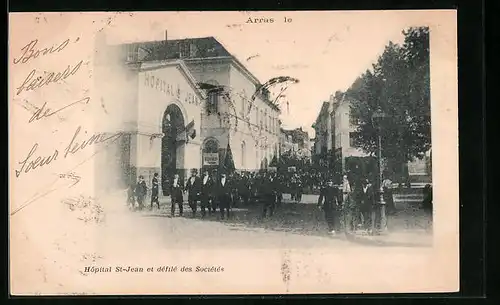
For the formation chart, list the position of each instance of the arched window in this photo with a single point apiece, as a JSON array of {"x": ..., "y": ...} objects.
[
  {"x": 257, "y": 158},
  {"x": 243, "y": 102},
  {"x": 211, "y": 146},
  {"x": 261, "y": 119},
  {"x": 265, "y": 120},
  {"x": 212, "y": 96},
  {"x": 243, "y": 155}
]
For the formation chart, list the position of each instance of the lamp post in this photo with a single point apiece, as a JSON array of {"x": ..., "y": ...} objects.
[{"x": 377, "y": 119}]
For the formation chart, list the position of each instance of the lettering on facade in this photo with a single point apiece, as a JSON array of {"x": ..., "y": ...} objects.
[{"x": 154, "y": 82}]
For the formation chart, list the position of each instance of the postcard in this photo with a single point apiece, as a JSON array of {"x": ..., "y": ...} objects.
[{"x": 221, "y": 153}]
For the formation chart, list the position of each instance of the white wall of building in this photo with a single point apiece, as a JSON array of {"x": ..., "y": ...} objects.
[
  {"x": 259, "y": 142},
  {"x": 159, "y": 88},
  {"x": 343, "y": 128},
  {"x": 208, "y": 71}
]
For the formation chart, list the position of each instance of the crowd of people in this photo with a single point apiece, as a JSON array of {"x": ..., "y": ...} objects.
[{"x": 349, "y": 205}]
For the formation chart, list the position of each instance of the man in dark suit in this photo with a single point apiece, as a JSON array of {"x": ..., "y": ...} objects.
[
  {"x": 141, "y": 191},
  {"x": 224, "y": 195},
  {"x": 213, "y": 193},
  {"x": 244, "y": 189},
  {"x": 205, "y": 193},
  {"x": 154, "y": 191},
  {"x": 329, "y": 200},
  {"x": 368, "y": 207},
  {"x": 193, "y": 187},
  {"x": 131, "y": 196},
  {"x": 176, "y": 195},
  {"x": 269, "y": 195}
]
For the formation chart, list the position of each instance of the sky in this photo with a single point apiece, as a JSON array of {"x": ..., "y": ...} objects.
[{"x": 325, "y": 51}]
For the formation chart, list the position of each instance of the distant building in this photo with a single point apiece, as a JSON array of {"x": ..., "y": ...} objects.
[
  {"x": 287, "y": 145},
  {"x": 334, "y": 145},
  {"x": 344, "y": 130},
  {"x": 323, "y": 130},
  {"x": 295, "y": 141}
]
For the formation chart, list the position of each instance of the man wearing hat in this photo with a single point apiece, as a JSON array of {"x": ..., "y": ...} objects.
[
  {"x": 268, "y": 195},
  {"x": 154, "y": 191},
  {"x": 176, "y": 195},
  {"x": 329, "y": 201},
  {"x": 224, "y": 195},
  {"x": 193, "y": 187},
  {"x": 141, "y": 191},
  {"x": 205, "y": 193}
]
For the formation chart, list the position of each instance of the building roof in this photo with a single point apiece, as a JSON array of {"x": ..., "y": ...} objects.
[
  {"x": 324, "y": 109},
  {"x": 203, "y": 47},
  {"x": 192, "y": 50}
]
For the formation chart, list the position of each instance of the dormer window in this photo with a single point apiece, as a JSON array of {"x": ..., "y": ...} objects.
[
  {"x": 213, "y": 101},
  {"x": 132, "y": 53},
  {"x": 184, "y": 50},
  {"x": 193, "y": 50}
]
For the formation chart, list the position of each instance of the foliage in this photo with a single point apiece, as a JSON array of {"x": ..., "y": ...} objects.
[{"x": 399, "y": 85}]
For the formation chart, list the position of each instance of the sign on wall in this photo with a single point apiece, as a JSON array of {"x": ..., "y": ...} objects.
[
  {"x": 210, "y": 159},
  {"x": 172, "y": 90}
]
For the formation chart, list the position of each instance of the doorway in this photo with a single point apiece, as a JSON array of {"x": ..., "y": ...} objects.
[{"x": 172, "y": 147}]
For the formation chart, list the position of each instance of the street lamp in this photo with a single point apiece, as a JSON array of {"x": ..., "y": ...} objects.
[{"x": 377, "y": 119}]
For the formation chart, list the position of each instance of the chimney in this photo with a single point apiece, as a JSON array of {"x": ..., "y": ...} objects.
[
  {"x": 100, "y": 46},
  {"x": 166, "y": 35}
]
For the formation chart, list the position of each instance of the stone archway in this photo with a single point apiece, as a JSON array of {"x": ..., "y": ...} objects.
[{"x": 172, "y": 146}]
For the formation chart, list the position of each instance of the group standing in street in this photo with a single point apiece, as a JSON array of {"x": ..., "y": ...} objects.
[{"x": 349, "y": 206}]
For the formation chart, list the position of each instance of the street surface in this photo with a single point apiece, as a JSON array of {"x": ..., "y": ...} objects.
[{"x": 296, "y": 224}]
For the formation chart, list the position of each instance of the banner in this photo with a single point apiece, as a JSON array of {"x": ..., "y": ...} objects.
[{"x": 210, "y": 159}]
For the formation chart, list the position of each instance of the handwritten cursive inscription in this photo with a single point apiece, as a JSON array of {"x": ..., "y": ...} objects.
[
  {"x": 43, "y": 112},
  {"x": 31, "y": 163},
  {"x": 75, "y": 146},
  {"x": 31, "y": 83},
  {"x": 30, "y": 52}
]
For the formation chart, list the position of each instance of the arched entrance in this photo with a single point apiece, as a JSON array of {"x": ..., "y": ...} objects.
[{"x": 172, "y": 146}]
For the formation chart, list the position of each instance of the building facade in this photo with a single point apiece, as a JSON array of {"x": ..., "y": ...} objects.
[
  {"x": 344, "y": 130},
  {"x": 287, "y": 145},
  {"x": 180, "y": 105},
  {"x": 322, "y": 130},
  {"x": 296, "y": 141},
  {"x": 335, "y": 128},
  {"x": 334, "y": 144}
]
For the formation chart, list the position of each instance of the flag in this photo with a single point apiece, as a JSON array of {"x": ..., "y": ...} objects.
[
  {"x": 228, "y": 166},
  {"x": 190, "y": 130},
  {"x": 274, "y": 161}
]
